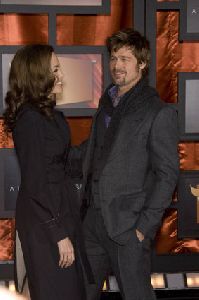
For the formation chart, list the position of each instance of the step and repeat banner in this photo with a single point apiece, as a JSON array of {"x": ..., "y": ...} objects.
[{"x": 77, "y": 30}]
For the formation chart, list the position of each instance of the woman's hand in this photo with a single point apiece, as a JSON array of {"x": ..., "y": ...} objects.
[{"x": 66, "y": 253}]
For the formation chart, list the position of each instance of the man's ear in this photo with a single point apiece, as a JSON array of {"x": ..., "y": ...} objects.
[{"x": 142, "y": 65}]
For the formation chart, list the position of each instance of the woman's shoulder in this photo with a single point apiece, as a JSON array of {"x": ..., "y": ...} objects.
[
  {"x": 59, "y": 113},
  {"x": 29, "y": 116},
  {"x": 29, "y": 111}
]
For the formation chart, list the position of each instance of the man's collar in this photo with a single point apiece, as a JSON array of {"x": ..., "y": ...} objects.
[{"x": 113, "y": 91}]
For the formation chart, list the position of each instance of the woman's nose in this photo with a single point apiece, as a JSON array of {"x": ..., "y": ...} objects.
[{"x": 61, "y": 75}]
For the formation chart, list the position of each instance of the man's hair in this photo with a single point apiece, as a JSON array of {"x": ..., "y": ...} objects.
[
  {"x": 30, "y": 81},
  {"x": 134, "y": 41}
]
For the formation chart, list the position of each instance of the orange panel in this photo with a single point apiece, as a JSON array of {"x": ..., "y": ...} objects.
[
  {"x": 93, "y": 30},
  {"x": 7, "y": 233},
  {"x": 166, "y": 238},
  {"x": 5, "y": 140},
  {"x": 167, "y": 241},
  {"x": 16, "y": 29},
  {"x": 80, "y": 128},
  {"x": 189, "y": 156},
  {"x": 172, "y": 56}
]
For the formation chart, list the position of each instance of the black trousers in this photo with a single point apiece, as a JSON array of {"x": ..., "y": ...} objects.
[{"x": 129, "y": 263}]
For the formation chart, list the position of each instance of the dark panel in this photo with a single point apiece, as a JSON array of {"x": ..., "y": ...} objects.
[
  {"x": 188, "y": 88},
  {"x": 9, "y": 182},
  {"x": 188, "y": 209},
  {"x": 189, "y": 20}
]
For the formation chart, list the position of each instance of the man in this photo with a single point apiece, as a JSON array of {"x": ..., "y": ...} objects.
[{"x": 130, "y": 168}]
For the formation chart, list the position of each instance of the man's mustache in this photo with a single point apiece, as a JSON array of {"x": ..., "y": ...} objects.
[{"x": 118, "y": 71}]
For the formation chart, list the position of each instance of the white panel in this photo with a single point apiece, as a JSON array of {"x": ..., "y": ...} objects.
[
  {"x": 82, "y": 79},
  {"x": 192, "y": 106},
  {"x": 6, "y": 61},
  {"x": 77, "y": 81}
]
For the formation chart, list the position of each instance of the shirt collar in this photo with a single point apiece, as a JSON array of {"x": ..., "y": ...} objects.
[{"x": 113, "y": 93}]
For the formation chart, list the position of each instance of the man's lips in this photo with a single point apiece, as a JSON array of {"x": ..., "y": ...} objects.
[{"x": 118, "y": 73}]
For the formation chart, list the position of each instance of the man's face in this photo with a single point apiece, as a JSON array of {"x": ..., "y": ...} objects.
[{"x": 124, "y": 69}]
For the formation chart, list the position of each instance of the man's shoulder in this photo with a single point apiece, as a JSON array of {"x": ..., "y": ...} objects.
[
  {"x": 156, "y": 104},
  {"x": 152, "y": 93},
  {"x": 153, "y": 96}
]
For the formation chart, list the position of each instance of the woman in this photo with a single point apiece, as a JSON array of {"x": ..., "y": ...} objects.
[{"x": 46, "y": 213}]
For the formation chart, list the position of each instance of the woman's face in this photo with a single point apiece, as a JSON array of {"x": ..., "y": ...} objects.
[{"x": 56, "y": 69}]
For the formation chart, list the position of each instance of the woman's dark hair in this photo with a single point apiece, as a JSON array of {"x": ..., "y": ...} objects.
[
  {"x": 30, "y": 81},
  {"x": 133, "y": 40}
]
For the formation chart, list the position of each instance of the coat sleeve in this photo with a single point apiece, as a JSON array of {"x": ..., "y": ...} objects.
[
  {"x": 163, "y": 145},
  {"x": 75, "y": 160},
  {"x": 30, "y": 147}
]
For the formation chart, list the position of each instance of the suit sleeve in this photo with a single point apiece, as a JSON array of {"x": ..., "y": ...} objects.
[
  {"x": 30, "y": 140},
  {"x": 163, "y": 145}
]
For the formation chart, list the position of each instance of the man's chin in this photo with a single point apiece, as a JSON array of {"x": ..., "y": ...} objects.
[{"x": 118, "y": 82}]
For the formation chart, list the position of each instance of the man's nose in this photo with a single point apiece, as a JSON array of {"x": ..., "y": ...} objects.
[{"x": 118, "y": 64}]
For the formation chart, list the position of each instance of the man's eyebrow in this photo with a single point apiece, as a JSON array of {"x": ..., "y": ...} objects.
[
  {"x": 125, "y": 56},
  {"x": 121, "y": 56}
]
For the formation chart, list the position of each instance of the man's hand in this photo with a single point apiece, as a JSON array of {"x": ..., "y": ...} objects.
[
  {"x": 140, "y": 236},
  {"x": 66, "y": 253}
]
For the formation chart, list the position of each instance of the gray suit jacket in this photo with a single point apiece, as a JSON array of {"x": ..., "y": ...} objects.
[{"x": 140, "y": 166}]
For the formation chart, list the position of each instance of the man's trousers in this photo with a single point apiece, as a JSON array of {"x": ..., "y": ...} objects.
[{"x": 130, "y": 263}]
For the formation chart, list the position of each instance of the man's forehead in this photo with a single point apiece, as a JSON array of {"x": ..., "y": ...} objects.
[{"x": 123, "y": 51}]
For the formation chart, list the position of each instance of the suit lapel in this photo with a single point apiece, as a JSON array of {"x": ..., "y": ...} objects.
[
  {"x": 131, "y": 103},
  {"x": 110, "y": 136},
  {"x": 90, "y": 150}
]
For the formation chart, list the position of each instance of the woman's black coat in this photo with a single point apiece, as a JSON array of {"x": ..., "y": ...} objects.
[{"x": 47, "y": 210}]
